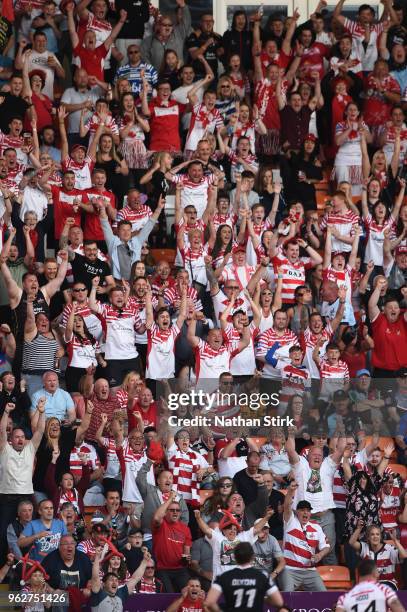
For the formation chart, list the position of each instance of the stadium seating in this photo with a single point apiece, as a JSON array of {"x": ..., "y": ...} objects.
[{"x": 335, "y": 577}]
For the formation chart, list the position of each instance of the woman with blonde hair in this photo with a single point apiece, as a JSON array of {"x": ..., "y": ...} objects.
[
  {"x": 114, "y": 165},
  {"x": 227, "y": 101},
  {"x": 130, "y": 387},
  {"x": 58, "y": 439}
]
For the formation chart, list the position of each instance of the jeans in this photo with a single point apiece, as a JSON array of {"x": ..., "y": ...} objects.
[
  {"x": 327, "y": 524},
  {"x": 309, "y": 579}
]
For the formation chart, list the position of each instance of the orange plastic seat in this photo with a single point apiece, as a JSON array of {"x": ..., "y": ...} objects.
[
  {"x": 383, "y": 442},
  {"x": 399, "y": 469},
  {"x": 259, "y": 441},
  {"x": 335, "y": 577},
  {"x": 167, "y": 255}
]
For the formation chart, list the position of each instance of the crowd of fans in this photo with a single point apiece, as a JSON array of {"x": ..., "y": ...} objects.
[{"x": 181, "y": 208}]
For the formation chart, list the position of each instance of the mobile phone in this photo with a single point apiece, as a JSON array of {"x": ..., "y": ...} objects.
[
  {"x": 27, "y": 138},
  {"x": 276, "y": 176}
]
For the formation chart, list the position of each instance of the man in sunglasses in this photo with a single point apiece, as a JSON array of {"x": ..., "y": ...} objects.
[
  {"x": 167, "y": 36},
  {"x": 136, "y": 70},
  {"x": 171, "y": 545}
]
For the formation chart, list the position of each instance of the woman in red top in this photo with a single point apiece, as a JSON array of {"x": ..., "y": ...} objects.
[{"x": 33, "y": 83}]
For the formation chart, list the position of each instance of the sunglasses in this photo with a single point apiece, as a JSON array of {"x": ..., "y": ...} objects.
[
  {"x": 79, "y": 289},
  {"x": 226, "y": 485}
]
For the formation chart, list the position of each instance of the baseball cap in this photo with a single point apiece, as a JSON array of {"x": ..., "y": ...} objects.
[
  {"x": 401, "y": 249},
  {"x": 304, "y": 505},
  {"x": 78, "y": 146},
  {"x": 239, "y": 247},
  {"x": 363, "y": 372}
]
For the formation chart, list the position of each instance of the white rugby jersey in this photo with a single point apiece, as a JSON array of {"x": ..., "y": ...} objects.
[{"x": 367, "y": 595}]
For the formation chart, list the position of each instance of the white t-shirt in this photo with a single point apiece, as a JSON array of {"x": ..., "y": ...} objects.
[
  {"x": 160, "y": 352},
  {"x": 315, "y": 486},
  {"x": 39, "y": 61},
  {"x": 222, "y": 549}
]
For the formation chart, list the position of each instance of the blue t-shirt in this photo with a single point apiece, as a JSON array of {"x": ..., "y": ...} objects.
[{"x": 46, "y": 544}]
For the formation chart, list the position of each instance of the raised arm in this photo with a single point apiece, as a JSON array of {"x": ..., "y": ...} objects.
[
  {"x": 293, "y": 456},
  {"x": 54, "y": 285},
  {"x": 373, "y": 308},
  {"x": 288, "y": 501},
  {"x": 337, "y": 14},
  {"x": 62, "y": 114},
  {"x": 192, "y": 338},
  {"x": 71, "y": 25},
  {"x": 207, "y": 531},
  {"x": 116, "y": 30},
  {"x": 355, "y": 537},
  {"x": 138, "y": 573},
  {"x": 161, "y": 510}
]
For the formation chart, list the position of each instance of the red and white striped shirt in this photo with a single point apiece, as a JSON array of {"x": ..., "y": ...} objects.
[
  {"x": 138, "y": 218},
  {"x": 75, "y": 464},
  {"x": 293, "y": 275},
  {"x": 340, "y": 370},
  {"x": 184, "y": 467},
  {"x": 340, "y": 277},
  {"x": 266, "y": 340},
  {"x": 385, "y": 559},
  {"x": 172, "y": 294},
  {"x": 343, "y": 222},
  {"x": 130, "y": 465},
  {"x": 301, "y": 542}
]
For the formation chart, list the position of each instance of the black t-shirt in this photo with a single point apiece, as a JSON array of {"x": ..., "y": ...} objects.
[
  {"x": 244, "y": 589},
  {"x": 195, "y": 41},
  {"x": 61, "y": 576},
  {"x": 13, "y": 106},
  {"x": 246, "y": 486},
  {"x": 159, "y": 185},
  {"x": 85, "y": 270},
  {"x": 44, "y": 456}
]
